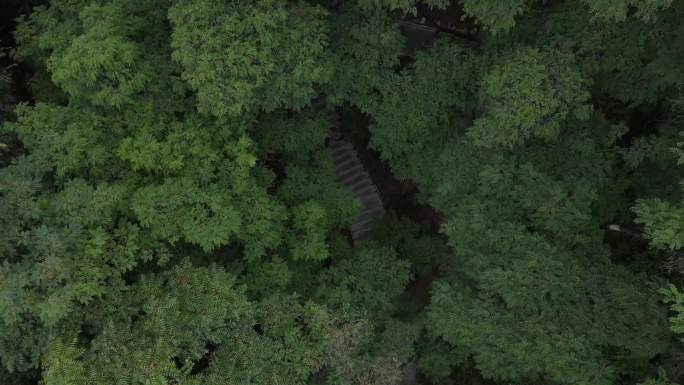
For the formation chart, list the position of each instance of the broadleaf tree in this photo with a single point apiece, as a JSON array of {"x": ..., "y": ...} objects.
[{"x": 172, "y": 212}]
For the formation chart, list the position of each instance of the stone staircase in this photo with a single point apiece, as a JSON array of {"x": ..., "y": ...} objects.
[{"x": 350, "y": 172}]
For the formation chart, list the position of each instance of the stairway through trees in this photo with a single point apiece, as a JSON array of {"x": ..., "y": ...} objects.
[{"x": 349, "y": 171}]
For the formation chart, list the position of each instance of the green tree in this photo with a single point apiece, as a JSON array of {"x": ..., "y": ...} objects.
[
  {"x": 521, "y": 266},
  {"x": 501, "y": 15},
  {"x": 171, "y": 214},
  {"x": 364, "y": 51},
  {"x": 247, "y": 56}
]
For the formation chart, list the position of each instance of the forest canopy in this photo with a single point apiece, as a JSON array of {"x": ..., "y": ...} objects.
[{"x": 342, "y": 192}]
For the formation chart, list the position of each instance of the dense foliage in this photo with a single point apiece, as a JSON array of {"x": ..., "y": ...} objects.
[{"x": 170, "y": 212}]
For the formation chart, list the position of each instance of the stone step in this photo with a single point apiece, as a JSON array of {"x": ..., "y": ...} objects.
[
  {"x": 360, "y": 235},
  {"x": 338, "y": 149},
  {"x": 375, "y": 212},
  {"x": 346, "y": 163},
  {"x": 361, "y": 186},
  {"x": 367, "y": 204},
  {"x": 367, "y": 192},
  {"x": 362, "y": 225},
  {"x": 341, "y": 158},
  {"x": 354, "y": 179},
  {"x": 343, "y": 175}
]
